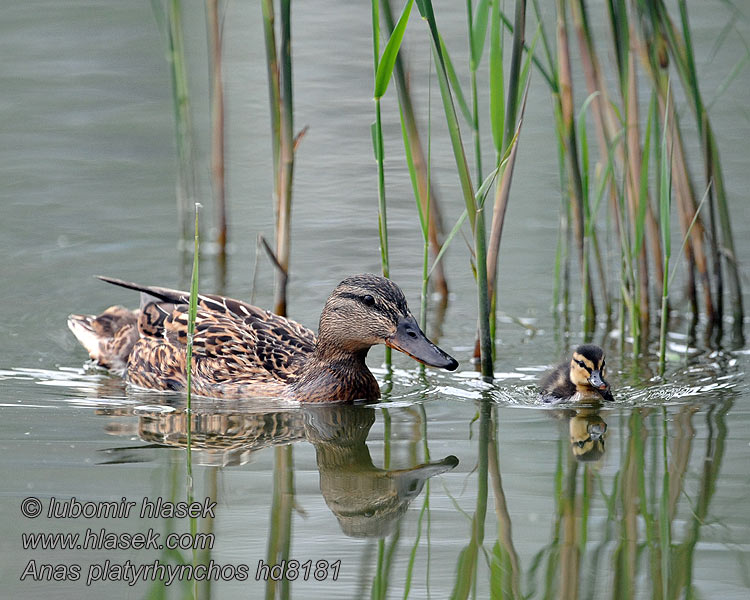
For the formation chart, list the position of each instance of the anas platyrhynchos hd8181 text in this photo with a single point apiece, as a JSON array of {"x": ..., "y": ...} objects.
[{"x": 240, "y": 350}]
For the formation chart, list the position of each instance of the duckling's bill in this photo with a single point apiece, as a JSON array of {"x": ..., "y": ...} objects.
[
  {"x": 410, "y": 340},
  {"x": 600, "y": 385}
]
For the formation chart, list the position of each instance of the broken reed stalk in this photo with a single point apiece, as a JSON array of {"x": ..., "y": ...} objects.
[
  {"x": 218, "y": 183},
  {"x": 427, "y": 194},
  {"x": 279, "y": 66}
]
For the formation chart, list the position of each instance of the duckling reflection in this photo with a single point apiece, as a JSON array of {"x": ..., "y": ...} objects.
[
  {"x": 366, "y": 500},
  {"x": 587, "y": 431}
]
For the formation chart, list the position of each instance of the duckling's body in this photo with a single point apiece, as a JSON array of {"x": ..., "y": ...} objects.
[
  {"x": 240, "y": 350},
  {"x": 580, "y": 379}
]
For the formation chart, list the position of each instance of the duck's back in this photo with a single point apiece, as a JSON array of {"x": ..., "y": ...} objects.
[{"x": 238, "y": 349}]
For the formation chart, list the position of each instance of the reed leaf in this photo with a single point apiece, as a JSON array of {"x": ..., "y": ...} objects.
[
  {"x": 451, "y": 117},
  {"x": 448, "y": 239},
  {"x": 478, "y": 31},
  {"x": 455, "y": 83},
  {"x": 497, "y": 79},
  {"x": 384, "y": 67}
]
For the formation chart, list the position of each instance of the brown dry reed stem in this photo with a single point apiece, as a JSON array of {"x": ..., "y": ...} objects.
[
  {"x": 682, "y": 53},
  {"x": 218, "y": 183},
  {"x": 572, "y": 162},
  {"x": 279, "y": 66},
  {"x": 644, "y": 30}
]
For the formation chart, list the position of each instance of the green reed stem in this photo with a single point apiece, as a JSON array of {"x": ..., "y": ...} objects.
[
  {"x": 476, "y": 215},
  {"x": 383, "y": 70},
  {"x": 665, "y": 202},
  {"x": 186, "y": 176},
  {"x": 419, "y": 166},
  {"x": 382, "y": 209},
  {"x": 477, "y": 31},
  {"x": 665, "y": 528},
  {"x": 280, "y": 530},
  {"x": 192, "y": 313}
]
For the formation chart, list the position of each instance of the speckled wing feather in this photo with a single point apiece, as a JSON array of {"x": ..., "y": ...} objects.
[{"x": 235, "y": 344}]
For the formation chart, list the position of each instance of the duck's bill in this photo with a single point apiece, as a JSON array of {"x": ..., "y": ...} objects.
[
  {"x": 410, "y": 340},
  {"x": 600, "y": 385}
]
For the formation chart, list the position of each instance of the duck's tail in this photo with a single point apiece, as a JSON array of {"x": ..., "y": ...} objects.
[{"x": 109, "y": 337}]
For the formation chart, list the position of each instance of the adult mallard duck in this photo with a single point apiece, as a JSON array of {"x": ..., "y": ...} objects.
[
  {"x": 240, "y": 350},
  {"x": 580, "y": 379}
]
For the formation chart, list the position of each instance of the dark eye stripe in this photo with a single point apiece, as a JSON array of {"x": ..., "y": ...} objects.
[
  {"x": 362, "y": 300},
  {"x": 583, "y": 366}
]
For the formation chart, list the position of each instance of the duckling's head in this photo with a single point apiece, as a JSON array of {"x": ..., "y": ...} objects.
[
  {"x": 365, "y": 310},
  {"x": 587, "y": 370}
]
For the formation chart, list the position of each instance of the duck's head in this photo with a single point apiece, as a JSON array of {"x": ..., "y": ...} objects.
[
  {"x": 365, "y": 310},
  {"x": 587, "y": 370}
]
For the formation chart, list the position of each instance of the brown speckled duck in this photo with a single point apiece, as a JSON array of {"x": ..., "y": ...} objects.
[
  {"x": 240, "y": 350},
  {"x": 580, "y": 379}
]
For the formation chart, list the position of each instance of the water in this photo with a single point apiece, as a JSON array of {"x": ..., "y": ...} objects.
[{"x": 88, "y": 174}]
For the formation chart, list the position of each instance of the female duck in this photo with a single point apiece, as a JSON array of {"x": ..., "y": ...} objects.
[
  {"x": 241, "y": 350},
  {"x": 580, "y": 379}
]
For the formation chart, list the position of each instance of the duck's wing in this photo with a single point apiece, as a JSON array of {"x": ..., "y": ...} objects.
[{"x": 246, "y": 340}]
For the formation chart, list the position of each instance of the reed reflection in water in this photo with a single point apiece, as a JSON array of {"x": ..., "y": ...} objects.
[{"x": 614, "y": 533}]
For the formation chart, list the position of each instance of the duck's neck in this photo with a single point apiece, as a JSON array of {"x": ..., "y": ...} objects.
[{"x": 332, "y": 374}]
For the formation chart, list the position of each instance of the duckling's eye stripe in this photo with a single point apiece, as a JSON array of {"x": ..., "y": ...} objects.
[{"x": 583, "y": 366}]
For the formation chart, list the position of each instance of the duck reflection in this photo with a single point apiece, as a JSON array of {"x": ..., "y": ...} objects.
[
  {"x": 367, "y": 501},
  {"x": 587, "y": 431}
]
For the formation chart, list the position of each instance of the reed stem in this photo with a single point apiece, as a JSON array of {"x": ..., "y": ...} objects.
[
  {"x": 425, "y": 188},
  {"x": 186, "y": 166},
  {"x": 218, "y": 183}
]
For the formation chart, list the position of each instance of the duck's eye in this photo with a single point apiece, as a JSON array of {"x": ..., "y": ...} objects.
[
  {"x": 368, "y": 300},
  {"x": 581, "y": 364}
]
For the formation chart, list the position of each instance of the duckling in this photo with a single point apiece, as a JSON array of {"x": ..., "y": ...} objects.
[
  {"x": 240, "y": 350},
  {"x": 580, "y": 379}
]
